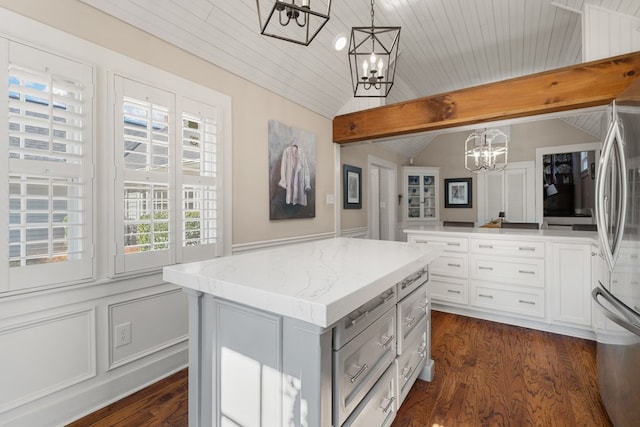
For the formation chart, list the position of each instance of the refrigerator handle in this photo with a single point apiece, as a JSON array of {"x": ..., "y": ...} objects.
[
  {"x": 601, "y": 220},
  {"x": 626, "y": 317},
  {"x": 623, "y": 181}
]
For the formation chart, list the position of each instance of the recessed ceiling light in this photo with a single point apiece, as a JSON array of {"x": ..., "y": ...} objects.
[{"x": 339, "y": 42}]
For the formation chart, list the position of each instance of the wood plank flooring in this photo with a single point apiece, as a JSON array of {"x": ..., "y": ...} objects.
[{"x": 487, "y": 374}]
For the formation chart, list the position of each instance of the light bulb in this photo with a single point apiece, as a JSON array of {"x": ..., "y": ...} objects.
[
  {"x": 365, "y": 68},
  {"x": 372, "y": 59},
  {"x": 380, "y": 66}
]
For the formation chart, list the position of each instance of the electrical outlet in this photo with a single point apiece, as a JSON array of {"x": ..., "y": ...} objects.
[{"x": 123, "y": 334}]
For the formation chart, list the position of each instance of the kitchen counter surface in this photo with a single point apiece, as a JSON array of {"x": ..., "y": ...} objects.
[
  {"x": 591, "y": 236},
  {"x": 317, "y": 282}
]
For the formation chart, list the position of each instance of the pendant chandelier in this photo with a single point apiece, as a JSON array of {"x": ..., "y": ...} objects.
[
  {"x": 373, "y": 54},
  {"x": 293, "y": 21},
  {"x": 486, "y": 150}
]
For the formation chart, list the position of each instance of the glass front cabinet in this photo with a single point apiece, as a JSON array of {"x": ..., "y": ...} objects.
[{"x": 421, "y": 193}]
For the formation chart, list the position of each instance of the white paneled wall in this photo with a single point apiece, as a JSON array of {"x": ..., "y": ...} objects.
[{"x": 608, "y": 33}]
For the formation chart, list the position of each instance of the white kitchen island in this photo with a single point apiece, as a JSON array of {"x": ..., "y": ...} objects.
[{"x": 332, "y": 332}]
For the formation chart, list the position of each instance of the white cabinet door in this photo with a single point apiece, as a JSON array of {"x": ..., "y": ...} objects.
[
  {"x": 570, "y": 284},
  {"x": 421, "y": 193},
  {"x": 511, "y": 191}
]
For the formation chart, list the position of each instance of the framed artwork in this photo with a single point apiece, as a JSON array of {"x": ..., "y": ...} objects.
[
  {"x": 352, "y": 187},
  {"x": 457, "y": 193},
  {"x": 292, "y": 172}
]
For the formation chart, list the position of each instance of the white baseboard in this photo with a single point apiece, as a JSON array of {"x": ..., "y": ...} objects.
[{"x": 359, "y": 232}]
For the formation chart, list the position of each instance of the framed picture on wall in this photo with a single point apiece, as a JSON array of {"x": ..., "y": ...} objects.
[
  {"x": 352, "y": 187},
  {"x": 457, "y": 193}
]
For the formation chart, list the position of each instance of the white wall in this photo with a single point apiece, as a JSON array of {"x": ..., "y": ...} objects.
[{"x": 58, "y": 358}]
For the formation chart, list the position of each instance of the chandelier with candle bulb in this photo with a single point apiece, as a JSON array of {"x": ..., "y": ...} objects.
[
  {"x": 295, "y": 21},
  {"x": 373, "y": 54},
  {"x": 486, "y": 150}
]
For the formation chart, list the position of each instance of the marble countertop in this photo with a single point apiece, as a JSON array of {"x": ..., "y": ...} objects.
[
  {"x": 317, "y": 282},
  {"x": 505, "y": 232}
]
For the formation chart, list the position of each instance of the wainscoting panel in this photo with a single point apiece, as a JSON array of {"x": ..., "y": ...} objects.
[
  {"x": 56, "y": 350},
  {"x": 149, "y": 330}
]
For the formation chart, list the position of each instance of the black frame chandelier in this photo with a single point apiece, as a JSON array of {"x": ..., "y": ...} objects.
[
  {"x": 373, "y": 55},
  {"x": 293, "y": 21}
]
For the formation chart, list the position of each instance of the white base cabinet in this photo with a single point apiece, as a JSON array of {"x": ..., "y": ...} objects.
[
  {"x": 571, "y": 283},
  {"x": 539, "y": 279}
]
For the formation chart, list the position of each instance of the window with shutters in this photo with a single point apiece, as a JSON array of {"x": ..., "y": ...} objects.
[
  {"x": 49, "y": 171},
  {"x": 166, "y": 164}
]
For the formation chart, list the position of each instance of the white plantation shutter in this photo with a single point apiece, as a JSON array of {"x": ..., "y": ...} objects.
[
  {"x": 49, "y": 174},
  {"x": 167, "y": 158},
  {"x": 144, "y": 119},
  {"x": 198, "y": 160}
]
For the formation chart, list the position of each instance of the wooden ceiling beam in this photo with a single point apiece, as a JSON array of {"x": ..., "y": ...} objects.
[{"x": 570, "y": 88}]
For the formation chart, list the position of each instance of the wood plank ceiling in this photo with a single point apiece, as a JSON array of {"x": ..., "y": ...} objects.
[{"x": 445, "y": 45}]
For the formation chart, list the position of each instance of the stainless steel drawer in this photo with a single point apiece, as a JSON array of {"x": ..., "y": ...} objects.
[
  {"x": 359, "y": 364},
  {"x": 449, "y": 289},
  {"x": 358, "y": 320},
  {"x": 515, "y": 271},
  {"x": 379, "y": 407},
  {"x": 414, "y": 281},
  {"x": 412, "y": 360},
  {"x": 451, "y": 264},
  {"x": 411, "y": 311}
]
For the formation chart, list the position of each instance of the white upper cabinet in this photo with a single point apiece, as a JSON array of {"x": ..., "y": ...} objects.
[{"x": 421, "y": 193}]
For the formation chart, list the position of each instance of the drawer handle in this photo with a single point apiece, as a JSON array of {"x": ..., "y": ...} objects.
[
  {"x": 421, "y": 350},
  {"x": 409, "y": 321},
  {"x": 359, "y": 318},
  {"x": 386, "y": 408},
  {"x": 526, "y": 248},
  {"x": 387, "y": 341},
  {"x": 453, "y": 265},
  {"x": 485, "y": 296},
  {"x": 523, "y": 301},
  {"x": 408, "y": 374},
  {"x": 453, "y": 244},
  {"x": 453, "y": 291},
  {"x": 363, "y": 368},
  {"x": 485, "y": 268},
  {"x": 526, "y": 272},
  {"x": 423, "y": 306},
  {"x": 388, "y": 297},
  {"x": 421, "y": 241},
  {"x": 486, "y": 246}
]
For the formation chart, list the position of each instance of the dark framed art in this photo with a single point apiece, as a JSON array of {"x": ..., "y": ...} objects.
[
  {"x": 457, "y": 193},
  {"x": 352, "y": 187}
]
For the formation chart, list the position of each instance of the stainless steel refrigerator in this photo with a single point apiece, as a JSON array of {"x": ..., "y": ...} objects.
[{"x": 617, "y": 296}]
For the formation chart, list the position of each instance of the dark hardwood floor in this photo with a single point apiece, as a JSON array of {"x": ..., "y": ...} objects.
[{"x": 487, "y": 374}]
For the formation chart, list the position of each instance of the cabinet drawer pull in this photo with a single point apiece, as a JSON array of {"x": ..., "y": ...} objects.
[
  {"x": 421, "y": 350},
  {"x": 485, "y": 296},
  {"x": 453, "y": 244},
  {"x": 359, "y": 318},
  {"x": 523, "y": 301},
  {"x": 421, "y": 241},
  {"x": 408, "y": 374},
  {"x": 453, "y": 291},
  {"x": 423, "y": 306},
  {"x": 363, "y": 368},
  {"x": 486, "y": 246},
  {"x": 387, "y": 341},
  {"x": 485, "y": 268},
  {"x": 526, "y": 272},
  {"x": 454, "y": 265},
  {"x": 409, "y": 321},
  {"x": 526, "y": 248},
  {"x": 386, "y": 408},
  {"x": 388, "y": 297}
]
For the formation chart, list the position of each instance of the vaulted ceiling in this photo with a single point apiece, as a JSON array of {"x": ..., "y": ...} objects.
[{"x": 445, "y": 45}]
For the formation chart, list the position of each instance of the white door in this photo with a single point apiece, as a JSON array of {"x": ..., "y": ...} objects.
[
  {"x": 382, "y": 211},
  {"x": 511, "y": 191}
]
